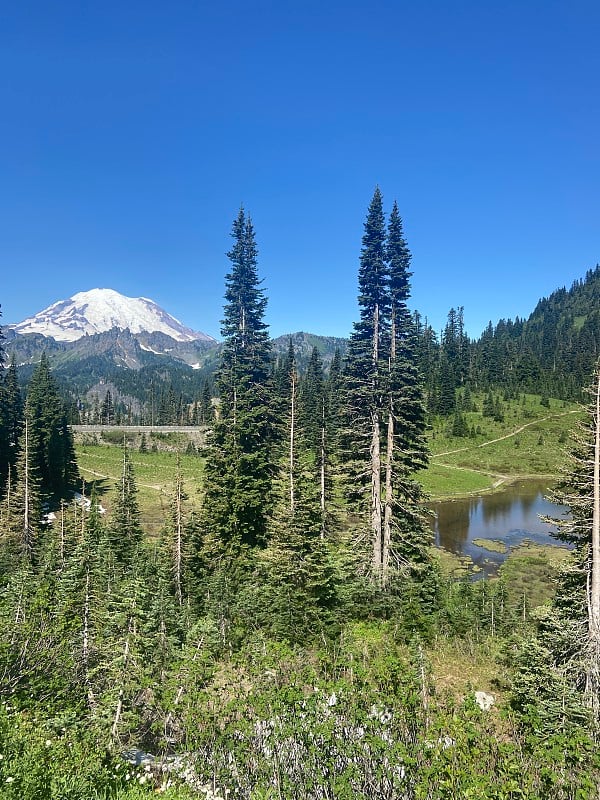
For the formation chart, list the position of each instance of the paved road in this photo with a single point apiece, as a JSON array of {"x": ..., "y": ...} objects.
[{"x": 138, "y": 428}]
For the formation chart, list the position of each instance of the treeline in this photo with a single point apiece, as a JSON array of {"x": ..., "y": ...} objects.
[
  {"x": 164, "y": 406},
  {"x": 552, "y": 353}
]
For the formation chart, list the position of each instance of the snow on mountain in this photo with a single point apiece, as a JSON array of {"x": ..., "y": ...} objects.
[{"x": 100, "y": 310}]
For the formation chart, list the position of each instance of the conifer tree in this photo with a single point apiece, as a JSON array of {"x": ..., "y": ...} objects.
[
  {"x": 239, "y": 469},
  {"x": 365, "y": 372},
  {"x": 125, "y": 531},
  {"x": 3, "y": 416},
  {"x": 13, "y": 419},
  {"x": 2, "y": 353},
  {"x": 52, "y": 449},
  {"x": 11, "y": 415},
  {"x": 205, "y": 410},
  {"x": 384, "y": 404},
  {"x": 175, "y": 543},
  {"x": 313, "y": 413},
  {"x": 406, "y": 448},
  {"x": 22, "y": 505},
  {"x": 559, "y": 688},
  {"x": 580, "y": 491},
  {"x": 82, "y": 590}
]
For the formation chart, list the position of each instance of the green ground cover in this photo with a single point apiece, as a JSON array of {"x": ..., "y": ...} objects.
[
  {"x": 155, "y": 471},
  {"x": 531, "y": 440}
]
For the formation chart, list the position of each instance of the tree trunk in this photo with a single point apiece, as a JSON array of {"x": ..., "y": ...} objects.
[
  {"x": 389, "y": 464},
  {"x": 322, "y": 467},
  {"x": 114, "y": 732},
  {"x": 85, "y": 648},
  {"x": 593, "y": 667},
  {"x": 292, "y": 435},
  {"x": 178, "y": 541},
  {"x": 375, "y": 452}
]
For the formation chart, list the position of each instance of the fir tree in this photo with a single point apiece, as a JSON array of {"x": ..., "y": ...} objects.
[
  {"x": 11, "y": 422},
  {"x": 365, "y": 373},
  {"x": 580, "y": 491},
  {"x": 175, "y": 544},
  {"x": 124, "y": 530},
  {"x": 406, "y": 448},
  {"x": 52, "y": 449},
  {"x": 239, "y": 469},
  {"x": 294, "y": 568},
  {"x": 384, "y": 403},
  {"x": 205, "y": 411},
  {"x": 22, "y": 505},
  {"x": 107, "y": 410},
  {"x": 560, "y": 689}
]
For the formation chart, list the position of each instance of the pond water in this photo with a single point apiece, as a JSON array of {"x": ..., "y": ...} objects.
[{"x": 508, "y": 516}]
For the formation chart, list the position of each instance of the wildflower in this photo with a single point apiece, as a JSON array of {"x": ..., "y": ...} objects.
[
  {"x": 9, "y": 779},
  {"x": 48, "y": 742}
]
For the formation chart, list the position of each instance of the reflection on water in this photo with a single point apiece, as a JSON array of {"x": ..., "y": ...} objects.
[{"x": 508, "y": 516}]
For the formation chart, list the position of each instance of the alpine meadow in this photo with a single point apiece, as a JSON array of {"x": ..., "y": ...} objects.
[{"x": 222, "y": 582}]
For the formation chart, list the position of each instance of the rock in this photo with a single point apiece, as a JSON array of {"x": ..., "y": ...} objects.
[
  {"x": 137, "y": 757},
  {"x": 484, "y": 700}
]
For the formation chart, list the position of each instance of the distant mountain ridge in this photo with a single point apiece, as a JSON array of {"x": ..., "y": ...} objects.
[
  {"x": 101, "y": 310},
  {"x": 553, "y": 350},
  {"x": 101, "y": 339}
]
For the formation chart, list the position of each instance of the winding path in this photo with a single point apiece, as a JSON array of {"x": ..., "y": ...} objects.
[
  {"x": 506, "y": 436},
  {"x": 499, "y": 477}
]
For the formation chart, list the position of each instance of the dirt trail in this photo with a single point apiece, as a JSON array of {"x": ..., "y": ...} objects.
[
  {"x": 156, "y": 487},
  {"x": 506, "y": 436}
]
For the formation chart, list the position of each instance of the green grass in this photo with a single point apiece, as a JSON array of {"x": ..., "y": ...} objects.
[
  {"x": 440, "y": 480},
  {"x": 492, "y": 545},
  {"x": 459, "y": 466},
  {"x": 530, "y": 571},
  {"x": 154, "y": 472},
  {"x": 535, "y": 444}
]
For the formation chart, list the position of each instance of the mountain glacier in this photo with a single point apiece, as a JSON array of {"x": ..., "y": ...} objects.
[{"x": 100, "y": 310}]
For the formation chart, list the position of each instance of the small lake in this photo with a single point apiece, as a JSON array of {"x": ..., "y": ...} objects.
[{"x": 507, "y": 516}]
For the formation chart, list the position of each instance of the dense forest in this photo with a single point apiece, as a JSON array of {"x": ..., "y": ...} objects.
[{"x": 280, "y": 642}]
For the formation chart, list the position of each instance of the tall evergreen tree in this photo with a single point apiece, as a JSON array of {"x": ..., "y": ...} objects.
[
  {"x": 22, "y": 504},
  {"x": 238, "y": 469},
  {"x": 175, "y": 540},
  {"x": 52, "y": 448},
  {"x": 4, "y": 425},
  {"x": 384, "y": 403},
  {"x": 125, "y": 531},
  {"x": 580, "y": 491},
  {"x": 205, "y": 412},
  {"x": 13, "y": 411},
  {"x": 365, "y": 372},
  {"x": 406, "y": 448},
  {"x": 557, "y": 680}
]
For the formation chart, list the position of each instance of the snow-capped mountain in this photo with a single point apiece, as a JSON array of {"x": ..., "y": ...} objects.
[{"x": 101, "y": 310}]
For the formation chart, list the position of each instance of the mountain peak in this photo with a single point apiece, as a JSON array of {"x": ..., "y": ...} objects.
[{"x": 99, "y": 310}]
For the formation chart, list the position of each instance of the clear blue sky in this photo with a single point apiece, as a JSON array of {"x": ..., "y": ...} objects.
[{"x": 131, "y": 132}]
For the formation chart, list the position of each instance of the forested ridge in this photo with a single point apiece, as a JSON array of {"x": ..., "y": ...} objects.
[{"x": 294, "y": 634}]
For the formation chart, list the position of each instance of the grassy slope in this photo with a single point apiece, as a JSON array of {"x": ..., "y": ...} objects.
[
  {"x": 154, "y": 475},
  {"x": 529, "y": 442}
]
